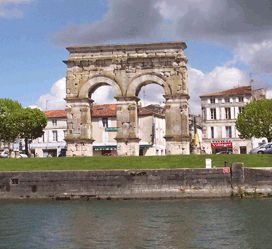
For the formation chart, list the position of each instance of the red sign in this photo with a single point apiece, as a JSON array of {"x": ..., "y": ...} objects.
[
  {"x": 226, "y": 170},
  {"x": 223, "y": 144}
]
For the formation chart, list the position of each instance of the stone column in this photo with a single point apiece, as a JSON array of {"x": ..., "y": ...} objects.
[
  {"x": 177, "y": 125},
  {"x": 79, "y": 127},
  {"x": 127, "y": 126}
]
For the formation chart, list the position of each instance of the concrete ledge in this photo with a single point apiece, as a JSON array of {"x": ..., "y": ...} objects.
[{"x": 133, "y": 184}]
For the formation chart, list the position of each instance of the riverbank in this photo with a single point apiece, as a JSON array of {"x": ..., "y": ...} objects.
[
  {"x": 131, "y": 163},
  {"x": 133, "y": 184}
]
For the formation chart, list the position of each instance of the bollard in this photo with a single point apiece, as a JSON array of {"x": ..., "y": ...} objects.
[
  {"x": 208, "y": 163},
  {"x": 226, "y": 164}
]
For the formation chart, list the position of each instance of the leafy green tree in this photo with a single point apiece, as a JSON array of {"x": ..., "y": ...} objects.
[
  {"x": 256, "y": 120},
  {"x": 32, "y": 122},
  {"x": 9, "y": 114}
]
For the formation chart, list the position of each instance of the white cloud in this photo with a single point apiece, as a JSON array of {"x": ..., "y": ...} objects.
[
  {"x": 14, "y": 13},
  {"x": 55, "y": 99},
  {"x": 256, "y": 55},
  {"x": 220, "y": 79},
  {"x": 104, "y": 95}
]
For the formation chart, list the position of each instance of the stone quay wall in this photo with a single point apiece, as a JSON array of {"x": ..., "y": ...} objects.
[{"x": 130, "y": 184}]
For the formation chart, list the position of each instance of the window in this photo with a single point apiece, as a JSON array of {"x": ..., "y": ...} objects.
[
  {"x": 212, "y": 132},
  {"x": 54, "y": 122},
  {"x": 241, "y": 109},
  {"x": 213, "y": 113},
  {"x": 212, "y": 101},
  {"x": 227, "y": 112},
  {"x": 105, "y": 122},
  {"x": 228, "y": 132},
  {"x": 227, "y": 100},
  {"x": 55, "y": 136},
  {"x": 241, "y": 99}
]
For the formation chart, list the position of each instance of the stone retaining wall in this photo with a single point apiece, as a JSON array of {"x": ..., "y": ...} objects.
[{"x": 126, "y": 184}]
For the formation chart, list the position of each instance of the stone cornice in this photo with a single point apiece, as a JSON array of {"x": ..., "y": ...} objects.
[{"x": 130, "y": 46}]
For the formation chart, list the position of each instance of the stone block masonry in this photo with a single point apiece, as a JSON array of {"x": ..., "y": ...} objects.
[{"x": 130, "y": 184}]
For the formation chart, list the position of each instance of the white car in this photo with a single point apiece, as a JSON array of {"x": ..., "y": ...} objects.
[{"x": 5, "y": 154}]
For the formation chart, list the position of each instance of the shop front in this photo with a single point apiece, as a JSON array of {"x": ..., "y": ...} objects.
[{"x": 218, "y": 146}]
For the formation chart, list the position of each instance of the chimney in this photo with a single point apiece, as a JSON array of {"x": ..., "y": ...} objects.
[{"x": 252, "y": 85}]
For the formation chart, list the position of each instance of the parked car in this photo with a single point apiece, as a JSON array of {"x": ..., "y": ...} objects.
[
  {"x": 224, "y": 152},
  {"x": 268, "y": 149},
  {"x": 4, "y": 154},
  {"x": 260, "y": 149},
  {"x": 108, "y": 154}
]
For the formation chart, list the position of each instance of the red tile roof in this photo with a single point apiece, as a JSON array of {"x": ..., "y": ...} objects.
[
  {"x": 97, "y": 111},
  {"x": 55, "y": 114},
  {"x": 243, "y": 90}
]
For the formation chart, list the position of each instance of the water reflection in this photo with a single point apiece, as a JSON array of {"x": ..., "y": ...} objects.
[{"x": 188, "y": 223}]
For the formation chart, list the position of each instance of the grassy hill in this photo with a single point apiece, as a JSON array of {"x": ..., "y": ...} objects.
[{"x": 112, "y": 163}]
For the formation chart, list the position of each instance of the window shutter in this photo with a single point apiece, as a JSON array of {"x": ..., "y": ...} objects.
[
  {"x": 216, "y": 100},
  {"x": 223, "y": 114},
  {"x": 100, "y": 123},
  {"x": 109, "y": 121},
  {"x": 209, "y": 132},
  {"x": 236, "y": 112},
  {"x": 237, "y": 99},
  {"x": 217, "y": 113},
  {"x": 230, "y": 100},
  {"x": 40, "y": 140},
  {"x": 223, "y": 131},
  {"x": 232, "y": 112},
  {"x": 233, "y": 131},
  {"x": 215, "y": 132},
  {"x": 208, "y": 113},
  {"x": 50, "y": 136},
  {"x": 223, "y": 100},
  {"x": 209, "y": 101}
]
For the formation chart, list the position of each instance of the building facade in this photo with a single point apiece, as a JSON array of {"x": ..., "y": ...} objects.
[
  {"x": 219, "y": 112},
  {"x": 151, "y": 131}
]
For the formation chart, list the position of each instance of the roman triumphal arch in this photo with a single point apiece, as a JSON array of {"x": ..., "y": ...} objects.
[{"x": 126, "y": 67}]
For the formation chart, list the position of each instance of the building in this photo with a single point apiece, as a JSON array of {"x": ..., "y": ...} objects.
[
  {"x": 219, "y": 112},
  {"x": 104, "y": 129}
]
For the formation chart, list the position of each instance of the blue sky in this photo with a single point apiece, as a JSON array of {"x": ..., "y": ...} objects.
[{"x": 226, "y": 41}]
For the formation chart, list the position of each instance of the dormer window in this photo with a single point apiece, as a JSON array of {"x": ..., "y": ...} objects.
[
  {"x": 241, "y": 99},
  {"x": 227, "y": 100},
  {"x": 212, "y": 101},
  {"x": 54, "y": 122}
]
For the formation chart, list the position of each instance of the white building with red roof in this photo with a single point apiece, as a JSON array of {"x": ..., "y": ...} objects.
[
  {"x": 104, "y": 125},
  {"x": 219, "y": 112}
]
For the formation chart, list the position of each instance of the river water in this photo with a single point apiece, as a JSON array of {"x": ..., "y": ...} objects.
[{"x": 183, "y": 223}]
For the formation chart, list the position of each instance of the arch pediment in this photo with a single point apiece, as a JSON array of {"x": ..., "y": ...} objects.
[
  {"x": 99, "y": 80},
  {"x": 135, "y": 85}
]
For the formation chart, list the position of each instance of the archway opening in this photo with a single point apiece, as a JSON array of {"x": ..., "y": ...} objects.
[
  {"x": 104, "y": 124},
  {"x": 151, "y": 118}
]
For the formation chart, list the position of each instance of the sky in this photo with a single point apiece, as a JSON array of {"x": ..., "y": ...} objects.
[{"x": 229, "y": 42}]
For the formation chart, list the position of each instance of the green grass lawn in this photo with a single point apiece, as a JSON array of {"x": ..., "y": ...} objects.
[{"x": 152, "y": 162}]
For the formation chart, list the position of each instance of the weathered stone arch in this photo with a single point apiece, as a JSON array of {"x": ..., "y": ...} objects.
[
  {"x": 126, "y": 67},
  {"x": 95, "y": 82},
  {"x": 137, "y": 83}
]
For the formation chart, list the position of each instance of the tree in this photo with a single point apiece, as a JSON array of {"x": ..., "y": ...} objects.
[
  {"x": 256, "y": 120},
  {"x": 32, "y": 122},
  {"x": 9, "y": 114},
  {"x": 18, "y": 122}
]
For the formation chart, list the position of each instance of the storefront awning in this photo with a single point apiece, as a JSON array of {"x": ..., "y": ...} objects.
[{"x": 105, "y": 147}]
